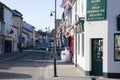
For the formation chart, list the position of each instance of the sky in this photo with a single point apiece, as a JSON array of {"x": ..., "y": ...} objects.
[{"x": 37, "y": 12}]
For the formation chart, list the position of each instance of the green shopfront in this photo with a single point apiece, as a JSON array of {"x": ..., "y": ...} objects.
[{"x": 96, "y": 11}]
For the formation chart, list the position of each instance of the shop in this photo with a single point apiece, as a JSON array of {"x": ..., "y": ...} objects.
[
  {"x": 97, "y": 47},
  {"x": 6, "y": 44}
]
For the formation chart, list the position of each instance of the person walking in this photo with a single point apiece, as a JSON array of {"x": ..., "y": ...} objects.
[{"x": 19, "y": 46}]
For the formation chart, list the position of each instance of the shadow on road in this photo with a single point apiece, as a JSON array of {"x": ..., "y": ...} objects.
[
  {"x": 27, "y": 64},
  {"x": 29, "y": 58},
  {"x": 13, "y": 75}
]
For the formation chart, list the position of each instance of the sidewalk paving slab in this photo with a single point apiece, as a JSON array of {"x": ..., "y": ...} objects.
[
  {"x": 65, "y": 71},
  {"x": 68, "y": 71}
]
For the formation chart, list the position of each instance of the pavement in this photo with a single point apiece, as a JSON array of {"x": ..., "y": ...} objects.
[{"x": 65, "y": 70}]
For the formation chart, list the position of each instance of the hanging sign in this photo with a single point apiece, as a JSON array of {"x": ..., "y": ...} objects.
[
  {"x": 79, "y": 27},
  {"x": 96, "y": 10}
]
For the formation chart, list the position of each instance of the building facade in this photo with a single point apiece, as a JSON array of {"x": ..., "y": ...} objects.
[
  {"x": 11, "y": 24},
  {"x": 17, "y": 27},
  {"x": 5, "y": 27},
  {"x": 96, "y": 36},
  {"x": 28, "y": 31}
]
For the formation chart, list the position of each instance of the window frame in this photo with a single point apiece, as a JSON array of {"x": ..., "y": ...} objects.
[
  {"x": 115, "y": 59},
  {"x": 82, "y": 45}
]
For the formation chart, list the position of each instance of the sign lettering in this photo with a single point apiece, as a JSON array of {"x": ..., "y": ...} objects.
[{"x": 96, "y": 10}]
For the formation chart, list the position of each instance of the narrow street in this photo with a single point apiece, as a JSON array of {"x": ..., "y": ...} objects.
[{"x": 29, "y": 66}]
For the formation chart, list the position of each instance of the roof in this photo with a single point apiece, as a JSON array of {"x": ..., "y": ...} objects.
[
  {"x": 16, "y": 13},
  {"x": 5, "y": 6}
]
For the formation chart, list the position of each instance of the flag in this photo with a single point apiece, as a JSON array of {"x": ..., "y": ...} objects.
[
  {"x": 68, "y": 31},
  {"x": 64, "y": 3},
  {"x": 61, "y": 24},
  {"x": 11, "y": 31}
]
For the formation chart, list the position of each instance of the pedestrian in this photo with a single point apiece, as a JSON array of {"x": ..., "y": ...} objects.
[{"x": 19, "y": 46}]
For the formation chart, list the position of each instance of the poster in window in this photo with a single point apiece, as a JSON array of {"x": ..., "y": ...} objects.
[{"x": 117, "y": 47}]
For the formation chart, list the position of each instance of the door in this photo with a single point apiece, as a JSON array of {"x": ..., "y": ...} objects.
[
  {"x": 8, "y": 46},
  {"x": 97, "y": 52}
]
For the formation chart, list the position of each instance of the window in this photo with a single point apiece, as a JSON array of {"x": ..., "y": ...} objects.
[
  {"x": 78, "y": 44},
  {"x": 82, "y": 45},
  {"x": 117, "y": 46},
  {"x": 1, "y": 12}
]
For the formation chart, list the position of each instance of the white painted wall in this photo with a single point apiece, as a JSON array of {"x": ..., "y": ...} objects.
[
  {"x": 8, "y": 20},
  {"x": 101, "y": 29},
  {"x": 95, "y": 29},
  {"x": 81, "y": 60},
  {"x": 15, "y": 38}
]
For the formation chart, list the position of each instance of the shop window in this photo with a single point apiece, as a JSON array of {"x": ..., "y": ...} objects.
[
  {"x": 82, "y": 45},
  {"x": 117, "y": 47},
  {"x": 78, "y": 44}
]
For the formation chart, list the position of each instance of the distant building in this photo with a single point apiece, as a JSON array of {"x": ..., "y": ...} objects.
[
  {"x": 17, "y": 27},
  {"x": 43, "y": 38},
  {"x": 28, "y": 35}
]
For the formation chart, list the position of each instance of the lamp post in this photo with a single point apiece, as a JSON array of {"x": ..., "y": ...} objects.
[{"x": 55, "y": 54}]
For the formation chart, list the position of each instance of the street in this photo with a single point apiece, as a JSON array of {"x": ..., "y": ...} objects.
[
  {"x": 29, "y": 66},
  {"x": 35, "y": 64}
]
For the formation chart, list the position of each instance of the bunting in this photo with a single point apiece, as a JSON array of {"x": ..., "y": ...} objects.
[
  {"x": 61, "y": 24},
  {"x": 67, "y": 33},
  {"x": 64, "y": 3}
]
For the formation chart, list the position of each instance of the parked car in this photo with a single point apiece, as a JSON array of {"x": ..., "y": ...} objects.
[
  {"x": 43, "y": 46},
  {"x": 50, "y": 47}
]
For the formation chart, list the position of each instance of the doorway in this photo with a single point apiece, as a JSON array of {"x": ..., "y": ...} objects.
[
  {"x": 8, "y": 46},
  {"x": 96, "y": 54}
]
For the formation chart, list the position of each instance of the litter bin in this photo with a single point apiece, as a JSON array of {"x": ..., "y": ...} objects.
[{"x": 65, "y": 55}]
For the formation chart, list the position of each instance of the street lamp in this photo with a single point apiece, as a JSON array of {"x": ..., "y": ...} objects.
[{"x": 55, "y": 54}]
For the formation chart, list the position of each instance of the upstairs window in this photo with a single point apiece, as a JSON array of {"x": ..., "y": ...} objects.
[{"x": 1, "y": 12}]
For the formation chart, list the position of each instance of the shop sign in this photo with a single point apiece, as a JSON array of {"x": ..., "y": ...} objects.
[
  {"x": 80, "y": 27},
  {"x": 96, "y": 10},
  {"x": 22, "y": 39}
]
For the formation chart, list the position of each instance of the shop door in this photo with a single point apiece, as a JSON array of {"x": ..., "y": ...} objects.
[
  {"x": 8, "y": 46},
  {"x": 97, "y": 52}
]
